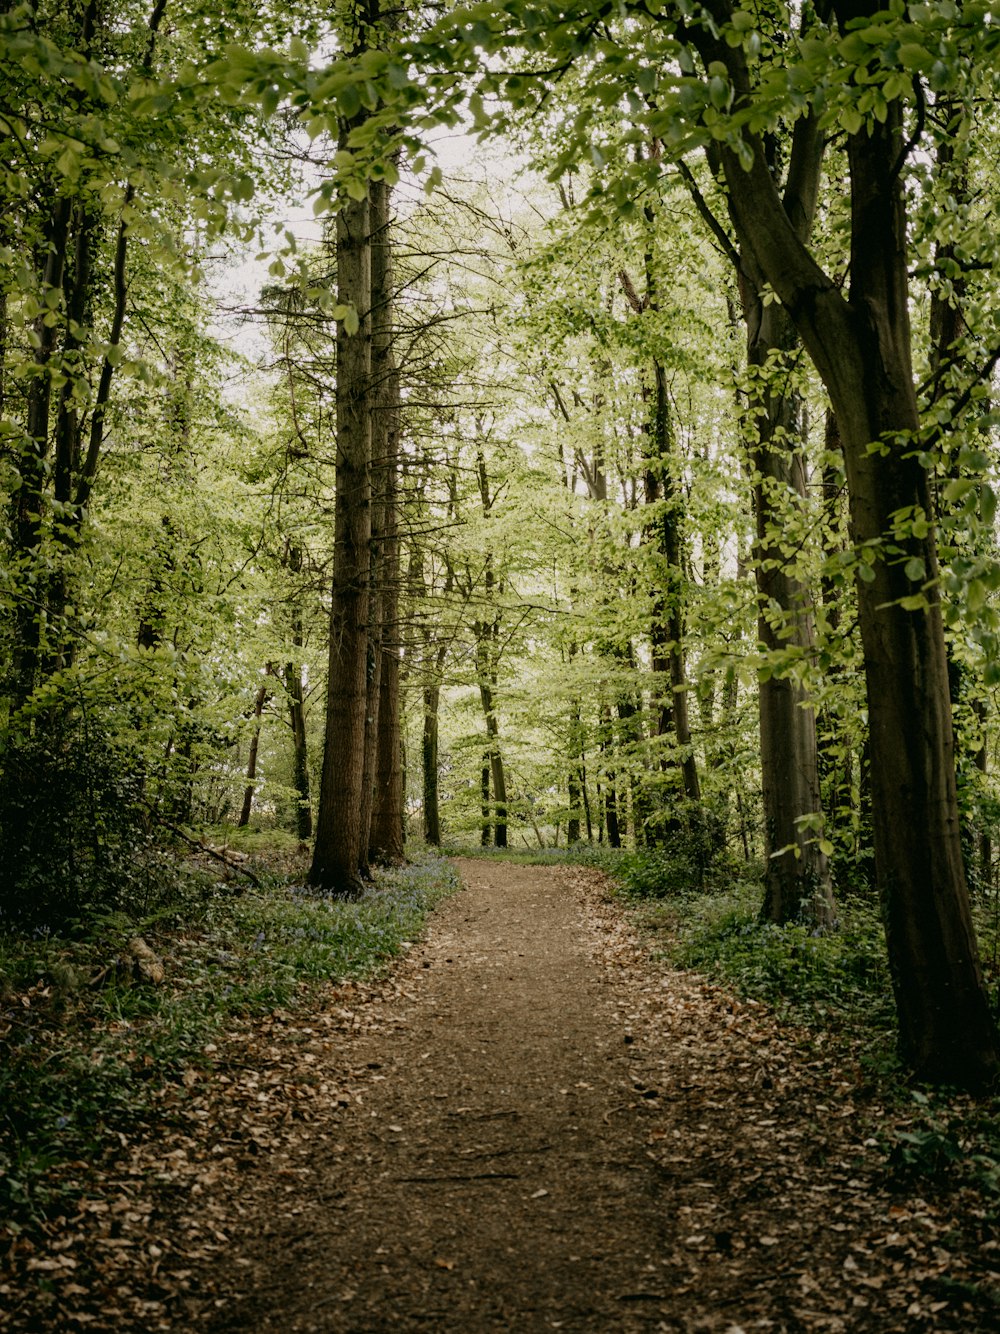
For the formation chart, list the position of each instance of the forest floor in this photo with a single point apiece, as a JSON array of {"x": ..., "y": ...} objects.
[{"x": 528, "y": 1124}]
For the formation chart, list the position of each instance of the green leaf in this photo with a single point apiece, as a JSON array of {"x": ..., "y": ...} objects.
[
  {"x": 352, "y": 322},
  {"x": 349, "y": 101},
  {"x": 718, "y": 92},
  {"x": 915, "y": 569},
  {"x": 915, "y": 58},
  {"x": 957, "y": 488}
]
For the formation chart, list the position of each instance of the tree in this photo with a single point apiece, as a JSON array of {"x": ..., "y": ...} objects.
[
  {"x": 754, "y": 74},
  {"x": 861, "y": 347},
  {"x": 797, "y": 877}
]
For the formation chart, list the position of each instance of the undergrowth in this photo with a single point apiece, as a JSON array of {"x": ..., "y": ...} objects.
[
  {"x": 833, "y": 983},
  {"x": 87, "y": 1043}
]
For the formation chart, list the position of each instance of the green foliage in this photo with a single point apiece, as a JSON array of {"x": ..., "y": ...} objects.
[
  {"x": 809, "y": 977},
  {"x": 75, "y": 839},
  {"x": 947, "y": 1145},
  {"x": 675, "y": 871},
  {"x": 89, "y": 1052}
]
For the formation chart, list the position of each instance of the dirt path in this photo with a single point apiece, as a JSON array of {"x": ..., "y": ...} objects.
[
  {"x": 528, "y": 1126},
  {"x": 495, "y": 1174},
  {"x": 547, "y": 1131}
]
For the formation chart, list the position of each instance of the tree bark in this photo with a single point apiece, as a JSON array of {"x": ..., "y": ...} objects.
[
  {"x": 486, "y": 827},
  {"x": 797, "y": 881},
  {"x": 667, "y": 631},
  {"x": 797, "y": 875},
  {"x": 429, "y": 766},
  {"x": 297, "y": 717},
  {"x": 861, "y": 347},
  {"x": 386, "y": 834},
  {"x": 610, "y": 791},
  {"x": 30, "y": 497},
  {"x": 498, "y": 774},
  {"x": 340, "y": 839},
  {"x": 251, "y": 787}
]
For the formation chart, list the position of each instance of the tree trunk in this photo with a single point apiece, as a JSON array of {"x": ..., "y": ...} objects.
[
  {"x": 297, "y": 721},
  {"x": 251, "y": 787},
  {"x": 386, "y": 835},
  {"x": 950, "y": 366},
  {"x": 498, "y": 775},
  {"x": 574, "y": 797},
  {"x": 665, "y": 533},
  {"x": 797, "y": 875},
  {"x": 429, "y": 758},
  {"x": 573, "y": 781},
  {"x": 668, "y": 622},
  {"x": 610, "y": 793},
  {"x": 585, "y": 792},
  {"x": 30, "y": 498},
  {"x": 834, "y": 741},
  {"x": 861, "y": 347},
  {"x": 340, "y": 840},
  {"x": 484, "y": 793},
  {"x": 388, "y": 832}
]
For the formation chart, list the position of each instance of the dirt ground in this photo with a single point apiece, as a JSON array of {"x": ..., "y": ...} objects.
[{"x": 528, "y": 1126}]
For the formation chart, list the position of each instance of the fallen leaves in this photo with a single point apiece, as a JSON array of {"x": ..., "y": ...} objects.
[{"x": 779, "y": 1214}]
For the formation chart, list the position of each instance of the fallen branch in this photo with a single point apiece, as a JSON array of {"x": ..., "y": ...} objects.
[{"x": 213, "y": 852}]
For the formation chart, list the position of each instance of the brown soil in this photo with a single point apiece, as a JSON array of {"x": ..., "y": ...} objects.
[{"x": 529, "y": 1126}]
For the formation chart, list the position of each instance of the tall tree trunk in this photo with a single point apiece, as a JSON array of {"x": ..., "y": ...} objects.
[
  {"x": 833, "y": 753},
  {"x": 861, "y": 347},
  {"x": 665, "y": 533},
  {"x": 668, "y": 612},
  {"x": 386, "y": 835},
  {"x": 486, "y": 827},
  {"x": 574, "y": 796},
  {"x": 388, "y": 831},
  {"x": 251, "y": 787},
  {"x": 341, "y": 842},
  {"x": 498, "y": 775},
  {"x": 573, "y": 785},
  {"x": 797, "y": 875},
  {"x": 30, "y": 498},
  {"x": 297, "y": 718},
  {"x": 300, "y": 752},
  {"x": 949, "y": 363},
  {"x": 585, "y": 793},
  {"x": 610, "y": 790},
  {"x": 429, "y": 765}
]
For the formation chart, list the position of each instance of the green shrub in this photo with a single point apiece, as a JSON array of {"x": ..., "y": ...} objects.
[
  {"x": 74, "y": 834},
  {"x": 802, "y": 972},
  {"x": 947, "y": 1145}
]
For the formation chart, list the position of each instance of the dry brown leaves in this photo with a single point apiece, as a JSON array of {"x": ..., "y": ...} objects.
[
  {"x": 783, "y": 1217},
  {"x": 141, "y": 1249},
  {"x": 769, "y": 1140}
]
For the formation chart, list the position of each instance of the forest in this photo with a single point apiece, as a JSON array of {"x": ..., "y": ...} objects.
[{"x": 551, "y": 430}]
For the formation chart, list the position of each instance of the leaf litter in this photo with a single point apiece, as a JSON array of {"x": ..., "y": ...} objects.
[{"x": 530, "y": 1123}]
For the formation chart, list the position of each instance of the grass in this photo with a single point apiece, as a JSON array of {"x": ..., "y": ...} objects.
[{"x": 85, "y": 1046}]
